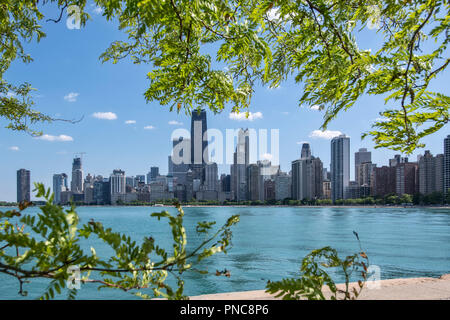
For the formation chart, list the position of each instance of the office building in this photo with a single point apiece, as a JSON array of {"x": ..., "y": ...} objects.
[
  {"x": 23, "y": 185},
  {"x": 340, "y": 166},
  {"x": 60, "y": 184},
  {"x": 362, "y": 156}
]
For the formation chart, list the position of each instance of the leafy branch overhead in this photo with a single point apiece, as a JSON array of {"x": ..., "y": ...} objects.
[
  {"x": 48, "y": 245},
  {"x": 214, "y": 53}
]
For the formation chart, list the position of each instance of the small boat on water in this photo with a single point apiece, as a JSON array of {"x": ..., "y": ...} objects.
[{"x": 158, "y": 205}]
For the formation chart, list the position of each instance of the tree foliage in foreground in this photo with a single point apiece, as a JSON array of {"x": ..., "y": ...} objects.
[
  {"x": 315, "y": 280},
  {"x": 213, "y": 53},
  {"x": 48, "y": 245}
]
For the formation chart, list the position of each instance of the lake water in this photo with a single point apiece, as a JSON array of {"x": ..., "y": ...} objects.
[{"x": 269, "y": 243}]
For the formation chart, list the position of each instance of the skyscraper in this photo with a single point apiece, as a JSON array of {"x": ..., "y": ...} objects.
[
  {"x": 447, "y": 164},
  {"x": 211, "y": 177},
  {"x": 23, "y": 185},
  {"x": 76, "y": 185},
  {"x": 239, "y": 166},
  {"x": 406, "y": 178},
  {"x": 430, "y": 173},
  {"x": 340, "y": 166},
  {"x": 118, "y": 182},
  {"x": 306, "y": 151},
  {"x": 180, "y": 159},
  {"x": 362, "y": 156},
  {"x": 153, "y": 174},
  {"x": 307, "y": 178},
  {"x": 59, "y": 185},
  {"x": 199, "y": 144}
]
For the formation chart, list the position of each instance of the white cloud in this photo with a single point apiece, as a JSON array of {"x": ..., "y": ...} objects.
[
  {"x": 175, "y": 123},
  {"x": 60, "y": 138},
  {"x": 98, "y": 10},
  {"x": 315, "y": 107},
  {"x": 71, "y": 97},
  {"x": 14, "y": 148},
  {"x": 302, "y": 142},
  {"x": 105, "y": 115},
  {"x": 327, "y": 134},
  {"x": 130, "y": 122},
  {"x": 149, "y": 127},
  {"x": 242, "y": 116},
  {"x": 285, "y": 113}
]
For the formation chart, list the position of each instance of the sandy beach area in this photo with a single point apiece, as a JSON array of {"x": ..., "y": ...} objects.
[{"x": 392, "y": 289}]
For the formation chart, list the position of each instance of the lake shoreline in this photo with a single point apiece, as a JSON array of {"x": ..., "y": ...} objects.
[
  {"x": 261, "y": 206},
  {"x": 424, "y": 288}
]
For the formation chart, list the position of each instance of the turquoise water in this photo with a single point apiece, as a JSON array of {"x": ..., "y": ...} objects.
[{"x": 269, "y": 243}]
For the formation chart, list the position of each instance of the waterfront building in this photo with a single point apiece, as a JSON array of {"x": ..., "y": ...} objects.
[
  {"x": 76, "y": 185},
  {"x": 362, "y": 156},
  {"x": 23, "y": 185},
  {"x": 283, "y": 186},
  {"x": 406, "y": 175},
  {"x": 118, "y": 185},
  {"x": 60, "y": 184},
  {"x": 307, "y": 176},
  {"x": 102, "y": 191},
  {"x": 239, "y": 167},
  {"x": 326, "y": 193},
  {"x": 383, "y": 181},
  {"x": 340, "y": 166},
  {"x": 431, "y": 173},
  {"x": 364, "y": 175},
  {"x": 446, "y": 177}
]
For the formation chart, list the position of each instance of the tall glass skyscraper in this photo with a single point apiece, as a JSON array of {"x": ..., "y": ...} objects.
[
  {"x": 23, "y": 185},
  {"x": 199, "y": 144},
  {"x": 76, "y": 185},
  {"x": 340, "y": 166},
  {"x": 59, "y": 185}
]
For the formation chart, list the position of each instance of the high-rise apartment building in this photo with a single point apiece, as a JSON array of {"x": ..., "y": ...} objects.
[
  {"x": 23, "y": 185},
  {"x": 76, "y": 185},
  {"x": 362, "y": 156},
  {"x": 340, "y": 166},
  {"x": 307, "y": 176},
  {"x": 60, "y": 184},
  {"x": 431, "y": 173},
  {"x": 406, "y": 176},
  {"x": 383, "y": 181},
  {"x": 283, "y": 186}
]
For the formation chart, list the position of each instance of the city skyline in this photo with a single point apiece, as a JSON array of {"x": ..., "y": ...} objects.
[
  {"x": 120, "y": 129},
  {"x": 309, "y": 178}
]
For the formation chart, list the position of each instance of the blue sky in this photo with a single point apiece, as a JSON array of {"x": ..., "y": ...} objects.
[{"x": 71, "y": 82}]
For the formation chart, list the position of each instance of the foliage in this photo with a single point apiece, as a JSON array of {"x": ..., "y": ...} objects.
[
  {"x": 314, "y": 277},
  {"x": 214, "y": 53},
  {"x": 316, "y": 41},
  {"x": 49, "y": 244}
]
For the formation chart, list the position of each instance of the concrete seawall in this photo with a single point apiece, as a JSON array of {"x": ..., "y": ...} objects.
[{"x": 392, "y": 289}]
